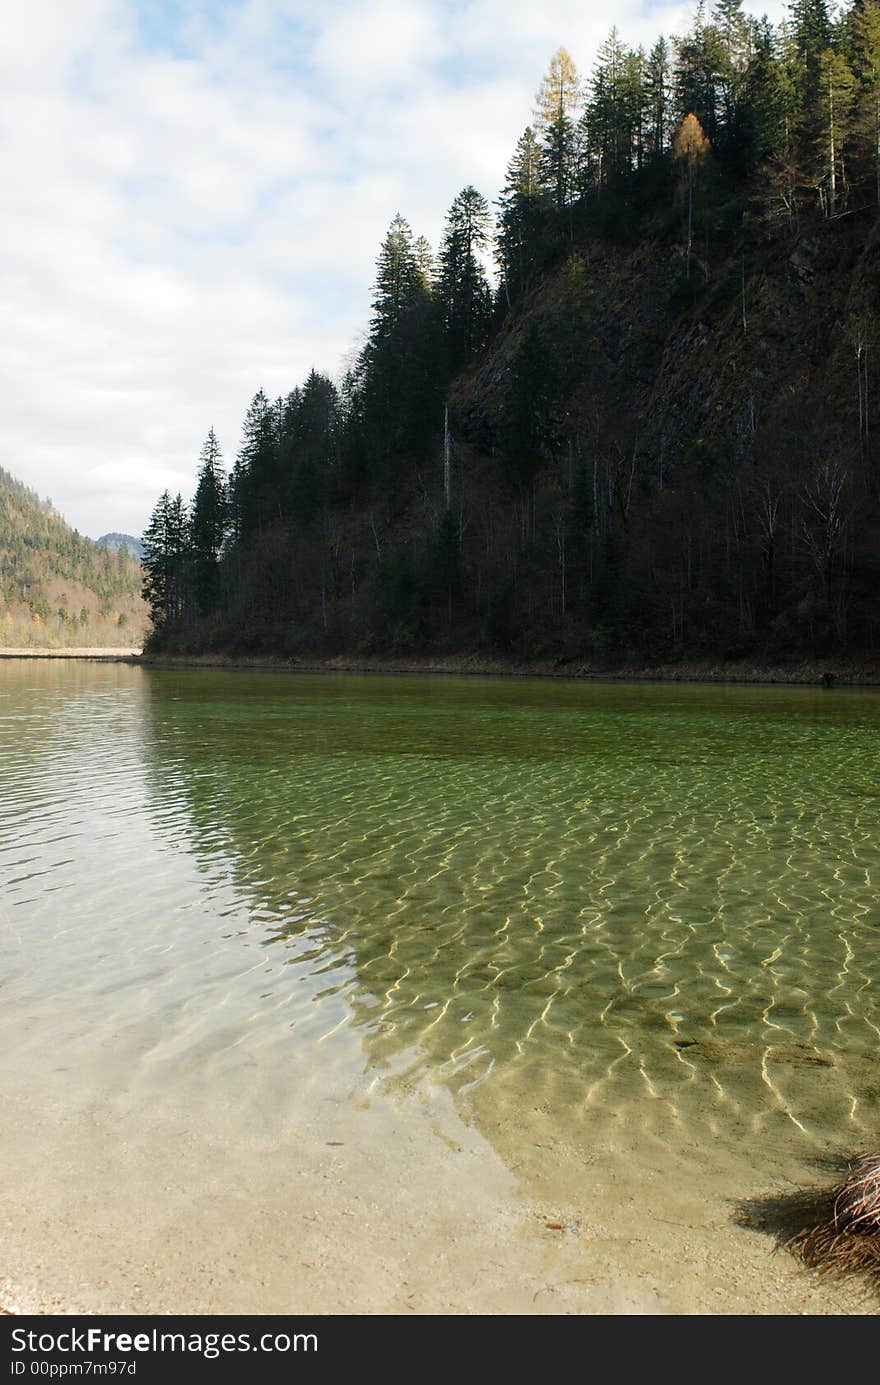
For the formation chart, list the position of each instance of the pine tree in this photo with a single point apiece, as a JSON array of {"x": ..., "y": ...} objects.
[
  {"x": 255, "y": 488},
  {"x": 424, "y": 258},
  {"x": 698, "y": 77},
  {"x": 808, "y": 31},
  {"x": 836, "y": 97},
  {"x": 394, "y": 386},
  {"x": 657, "y": 95},
  {"x": 766, "y": 105},
  {"x": 607, "y": 118},
  {"x": 807, "y": 36},
  {"x": 400, "y": 280},
  {"x": 735, "y": 37},
  {"x": 165, "y": 561},
  {"x": 312, "y": 435},
  {"x": 208, "y": 526},
  {"x": 520, "y": 219},
  {"x": 462, "y": 287}
]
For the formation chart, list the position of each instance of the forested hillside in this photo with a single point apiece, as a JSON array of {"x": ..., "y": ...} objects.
[
  {"x": 58, "y": 589},
  {"x": 655, "y": 435}
]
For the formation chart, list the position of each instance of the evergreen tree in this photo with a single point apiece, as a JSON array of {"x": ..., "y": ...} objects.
[
  {"x": 735, "y": 39},
  {"x": 255, "y": 489},
  {"x": 208, "y": 526},
  {"x": 808, "y": 36},
  {"x": 766, "y": 101},
  {"x": 400, "y": 280},
  {"x": 608, "y": 117},
  {"x": 520, "y": 219},
  {"x": 462, "y": 287},
  {"x": 836, "y": 98},
  {"x": 698, "y": 77},
  {"x": 311, "y": 435},
  {"x": 165, "y": 561},
  {"x": 657, "y": 95},
  {"x": 424, "y": 258},
  {"x": 393, "y": 400},
  {"x": 808, "y": 32}
]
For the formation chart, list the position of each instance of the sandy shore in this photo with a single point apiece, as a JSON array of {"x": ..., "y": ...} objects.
[
  {"x": 399, "y": 1207},
  {"x": 91, "y": 652}
]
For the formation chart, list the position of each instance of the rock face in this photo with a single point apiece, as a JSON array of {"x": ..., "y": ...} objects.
[
  {"x": 724, "y": 425},
  {"x": 751, "y": 341}
]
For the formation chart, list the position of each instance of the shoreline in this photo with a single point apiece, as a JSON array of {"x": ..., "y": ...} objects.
[
  {"x": 115, "y": 655},
  {"x": 843, "y": 674},
  {"x": 857, "y": 673}
]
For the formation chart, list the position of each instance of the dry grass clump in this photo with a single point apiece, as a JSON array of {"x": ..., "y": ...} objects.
[
  {"x": 833, "y": 1229},
  {"x": 848, "y": 1241}
]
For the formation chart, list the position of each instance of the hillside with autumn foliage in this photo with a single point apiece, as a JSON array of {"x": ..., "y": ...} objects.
[
  {"x": 57, "y": 588},
  {"x": 653, "y": 434}
]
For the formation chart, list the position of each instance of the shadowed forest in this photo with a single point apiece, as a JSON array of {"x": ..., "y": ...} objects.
[{"x": 651, "y": 430}]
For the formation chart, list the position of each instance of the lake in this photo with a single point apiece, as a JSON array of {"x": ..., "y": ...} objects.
[{"x": 389, "y": 994}]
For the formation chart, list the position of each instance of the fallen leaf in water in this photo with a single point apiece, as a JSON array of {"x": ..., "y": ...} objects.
[{"x": 555, "y": 1225}]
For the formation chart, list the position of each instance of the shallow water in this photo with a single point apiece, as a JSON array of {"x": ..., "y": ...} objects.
[{"x": 630, "y": 926}]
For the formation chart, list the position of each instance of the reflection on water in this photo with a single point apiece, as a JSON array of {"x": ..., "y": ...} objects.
[{"x": 624, "y": 907}]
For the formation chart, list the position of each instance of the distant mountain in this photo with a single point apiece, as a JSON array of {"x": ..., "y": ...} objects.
[
  {"x": 117, "y": 541},
  {"x": 57, "y": 588}
]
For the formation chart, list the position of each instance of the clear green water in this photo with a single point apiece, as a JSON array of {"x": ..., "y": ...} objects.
[{"x": 634, "y": 907}]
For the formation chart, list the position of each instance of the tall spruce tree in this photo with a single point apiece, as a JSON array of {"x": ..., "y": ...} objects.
[
  {"x": 520, "y": 217},
  {"x": 165, "y": 562},
  {"x": 808, "y": 35},
  {"x": 658, "y": 95},
  {"x": 255, "y": 491},
  {"x": 837, "y": 90},
  {"x": 400, "y": 280},
  {"x": 208, "y": 526},
  {"x": 462, "y": 287},
  {"x": 617, "y": 121},
  {"x": 698, "y": 77},
  {"x": 396, "y": 385}
]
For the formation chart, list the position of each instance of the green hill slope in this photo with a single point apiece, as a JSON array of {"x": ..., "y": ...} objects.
[{"x": 58, "y": 589}]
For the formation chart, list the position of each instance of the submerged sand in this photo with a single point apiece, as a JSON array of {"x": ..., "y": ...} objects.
[
  {"x": 177, "y": 1138},
  {"x": 391, "y": 1205}
]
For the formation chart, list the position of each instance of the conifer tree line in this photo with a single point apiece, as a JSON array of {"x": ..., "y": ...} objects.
[{"x": 331, "y": 524}]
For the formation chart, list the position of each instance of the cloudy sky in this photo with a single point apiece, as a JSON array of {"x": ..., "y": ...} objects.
[{"x": 195, "y": 192}]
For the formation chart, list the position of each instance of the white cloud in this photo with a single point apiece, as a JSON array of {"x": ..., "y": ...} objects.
[{"x": 191, "y": 215}]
